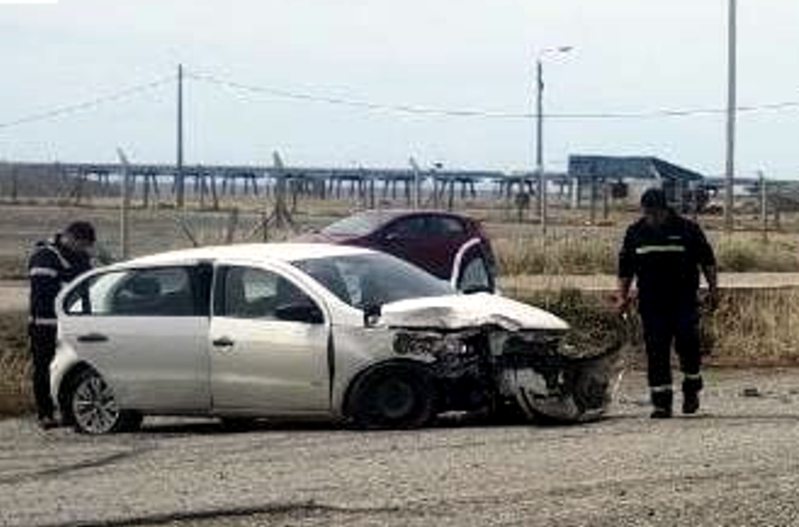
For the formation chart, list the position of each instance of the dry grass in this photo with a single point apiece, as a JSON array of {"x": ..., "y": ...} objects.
[
  {"x": 566, "y": 255},
  {"x": 595, "y": 251},
  {"x": 15, "y": 388},
  {"x": 752, "y": 327},
  {"x": 756, "y": 327},
  {"x": 12, "y": 267},
  {"x": 744, "y": 253}
]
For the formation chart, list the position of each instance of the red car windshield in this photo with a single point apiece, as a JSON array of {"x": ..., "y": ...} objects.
[{"x": 370, "y": 280}]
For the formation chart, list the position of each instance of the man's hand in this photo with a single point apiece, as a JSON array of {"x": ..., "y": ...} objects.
[
  {"x": 623, "y": 297},
  {"x": 621, "y": 302},
  {"x": 712, "y": 299}
]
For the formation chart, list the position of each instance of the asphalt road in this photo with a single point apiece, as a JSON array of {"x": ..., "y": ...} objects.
[{"x": 736, "y": 464}]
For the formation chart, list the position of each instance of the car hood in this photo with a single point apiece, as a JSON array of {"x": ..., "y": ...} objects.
[{"x": 468, "y": 311}]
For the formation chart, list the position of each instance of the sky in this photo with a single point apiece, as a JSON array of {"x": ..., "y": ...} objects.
[{"x": 629, "y": 56}]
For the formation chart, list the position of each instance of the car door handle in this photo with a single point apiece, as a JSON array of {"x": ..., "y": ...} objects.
[
  {"x": 92, "y": 337},
  {"x": 222, "y": 342}
]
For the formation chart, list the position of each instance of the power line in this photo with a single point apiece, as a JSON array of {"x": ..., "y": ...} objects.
[
  {"x": 86, "y": 105},
  {"x": 374, "y": 106},
  {"x": 449, "y": 112}
]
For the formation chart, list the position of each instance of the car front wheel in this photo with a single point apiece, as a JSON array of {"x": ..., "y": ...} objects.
[
  {"x": 94, "y": 409},
  {"x": 396, "y": 397}
]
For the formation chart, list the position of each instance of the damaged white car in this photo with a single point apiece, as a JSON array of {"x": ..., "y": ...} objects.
[{"x": 295, "y": 330}]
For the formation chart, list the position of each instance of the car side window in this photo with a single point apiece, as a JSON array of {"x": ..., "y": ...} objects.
[
  {"x": 250, "y": 293},
  {"x": 92, "y": 296},
  {"x": 408, "y": 228},
  {"x": 166, "y": 292},
  {"x": 475, "y": 276},
  {"x": 445, "y": 226}
]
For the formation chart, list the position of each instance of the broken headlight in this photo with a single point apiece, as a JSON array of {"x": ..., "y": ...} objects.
[{"x": 436, "y": 344}]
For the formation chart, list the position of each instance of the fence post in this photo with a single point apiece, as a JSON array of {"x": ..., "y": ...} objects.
[
  {"x": 232, "y": 223},
  {"x": 124, "y": 224},
  {"x": 763, "y": 205}
]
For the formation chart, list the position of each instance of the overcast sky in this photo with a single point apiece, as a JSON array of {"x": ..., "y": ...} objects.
[{"x": 629, "y": 56}]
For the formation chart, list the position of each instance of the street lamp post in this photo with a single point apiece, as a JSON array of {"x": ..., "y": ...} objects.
[{"x": 539, "y": 147}]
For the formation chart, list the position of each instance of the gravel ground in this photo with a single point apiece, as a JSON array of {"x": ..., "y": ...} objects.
[{"x": 734, "y": 464}]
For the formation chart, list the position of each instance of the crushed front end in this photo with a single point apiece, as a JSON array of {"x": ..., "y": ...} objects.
[{"x": 533, "y": 373}]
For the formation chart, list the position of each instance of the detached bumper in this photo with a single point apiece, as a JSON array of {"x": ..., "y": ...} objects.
[{"x": 559, "y": 388}]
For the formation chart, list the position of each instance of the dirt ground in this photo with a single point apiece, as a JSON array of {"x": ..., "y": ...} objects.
[{"x": 734, "y": 464}]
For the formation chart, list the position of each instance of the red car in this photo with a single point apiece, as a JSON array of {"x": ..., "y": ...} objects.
[{"x": 450, "y": 246}]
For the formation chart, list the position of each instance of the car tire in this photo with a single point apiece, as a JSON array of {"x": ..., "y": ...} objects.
[
  {"x": 92, "y": 407},
  {"x": 393, "y": 397}
]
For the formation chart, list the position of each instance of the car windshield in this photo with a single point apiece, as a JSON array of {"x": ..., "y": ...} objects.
[
  {"x": 366, "y": 280},
  {"x": 357, "y": 225}
]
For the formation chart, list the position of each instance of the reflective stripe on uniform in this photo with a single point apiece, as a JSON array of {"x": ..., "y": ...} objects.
[
  {"x": 646, "y": 249},
  {"x": 43, "y": 271},
  {"x": 661, "y": 389},
  {"x": 44, "y": 321},
  {"x": 54, "y": 249},
  {"x": 693, "y": 376}
]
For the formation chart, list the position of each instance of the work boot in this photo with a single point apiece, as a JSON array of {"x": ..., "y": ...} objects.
[
  {"x": 660, "y": 413},
  {"x": 690, "y": 402},
  {"x": 691, "y": 386},
  {"x": 662, "y": 400},
  {"x": 47, "y": 422}
]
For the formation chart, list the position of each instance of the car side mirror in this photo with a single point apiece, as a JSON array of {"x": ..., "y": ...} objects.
[
  {"x": 307, "y": 313},
  {"x": 391, "y": 237},
  {"x": 371, "y": 315}
]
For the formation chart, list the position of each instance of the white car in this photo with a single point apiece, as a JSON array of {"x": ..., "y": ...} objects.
[{"x": 278, "y": 330}]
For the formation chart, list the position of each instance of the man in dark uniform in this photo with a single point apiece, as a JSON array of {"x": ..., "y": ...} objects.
[
  {"x": 52, "y": 264},
  {"x": 665, "y": 252}
]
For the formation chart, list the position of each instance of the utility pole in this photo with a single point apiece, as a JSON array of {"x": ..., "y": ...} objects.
[
  {"x": 539, "y": 146},
  {"x": 729, "y": 201},
  {"x": 180, "y": 186}
]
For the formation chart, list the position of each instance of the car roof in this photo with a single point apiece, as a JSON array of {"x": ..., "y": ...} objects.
[
  {"x": 283, "y": 252},
  {"x": 383, "y": 216}
]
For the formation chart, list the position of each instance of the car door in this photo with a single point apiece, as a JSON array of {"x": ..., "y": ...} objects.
[
  {"x": 269, "y": 341},
  {"x": 447, "y": 235},
  {"x": 146, "y": 332}
]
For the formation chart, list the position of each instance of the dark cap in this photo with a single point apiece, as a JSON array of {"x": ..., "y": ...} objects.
[
  {"x": 81, "y": 230},
  {"x": 654, "y": 198}
]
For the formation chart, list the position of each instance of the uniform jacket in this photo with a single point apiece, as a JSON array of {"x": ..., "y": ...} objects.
[
  {"x": 665, "y": 260},
  {"x": 50, "y": 267}
]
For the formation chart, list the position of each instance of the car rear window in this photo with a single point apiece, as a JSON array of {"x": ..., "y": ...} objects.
[{"x": 357, "y": 225}]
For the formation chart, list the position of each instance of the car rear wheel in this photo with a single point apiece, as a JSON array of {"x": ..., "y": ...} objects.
[
  {"x": 398, "y": 397},
  {"x": 94, "y": 410}
]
